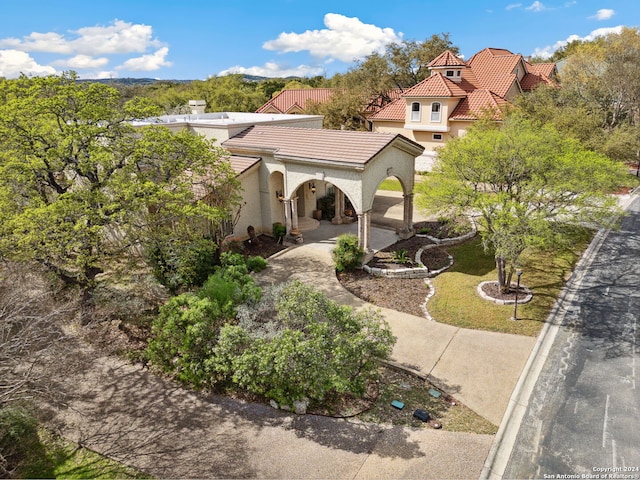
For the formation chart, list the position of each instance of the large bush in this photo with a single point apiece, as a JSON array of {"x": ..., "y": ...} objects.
[
  {"x": 187, "y": 326},
  {"x": 316, "y": 348}
]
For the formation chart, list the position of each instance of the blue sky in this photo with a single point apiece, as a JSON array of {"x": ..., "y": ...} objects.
[{"x": 197, "y": 39}]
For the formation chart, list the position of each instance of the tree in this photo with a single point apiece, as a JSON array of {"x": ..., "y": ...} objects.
[
  {"x": 599, "y": 102},
  {"x": 527, "y": 185},
  {"x": 370, "y": 83},
  {"x": 81, "y": 187},
  {"x": 408, "y": 60}
]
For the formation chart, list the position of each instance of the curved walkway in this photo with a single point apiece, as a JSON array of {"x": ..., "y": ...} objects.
[{"x": 479, "y": 368}]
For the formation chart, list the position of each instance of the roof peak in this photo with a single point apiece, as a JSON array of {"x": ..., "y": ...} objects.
[{"x": 446, "y": 59}]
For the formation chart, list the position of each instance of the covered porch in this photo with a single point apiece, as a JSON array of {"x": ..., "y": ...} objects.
[{"x": 298, "y": 164}]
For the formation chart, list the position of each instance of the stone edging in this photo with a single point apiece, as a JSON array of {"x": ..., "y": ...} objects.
[
  {"x": 527, "y": 298},
  {"x": 421, "y": 271}
]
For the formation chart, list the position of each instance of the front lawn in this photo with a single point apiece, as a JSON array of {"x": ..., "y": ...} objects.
[{"x": 457, "y": 303}]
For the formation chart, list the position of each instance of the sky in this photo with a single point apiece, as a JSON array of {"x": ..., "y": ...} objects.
[{"x": 197, "y": 39}]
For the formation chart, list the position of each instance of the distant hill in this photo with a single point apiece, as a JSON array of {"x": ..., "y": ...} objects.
[
  {"x": 130, "y": 81},
  {"x": 150, "y": 81}
]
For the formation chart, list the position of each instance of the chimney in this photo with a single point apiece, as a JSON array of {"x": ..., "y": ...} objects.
[{"x": 197, "y": 107}]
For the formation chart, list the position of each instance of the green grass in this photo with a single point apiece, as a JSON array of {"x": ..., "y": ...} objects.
[
  {"x": 390, "y": 184},
  {"x": 55, "y": 457},
  {"x": 456, "y": 301}
]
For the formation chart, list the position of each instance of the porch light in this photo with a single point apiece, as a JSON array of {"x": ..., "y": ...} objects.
[
  {"x": 312, "y": 187},
  {"x": 279, "y": 195}
]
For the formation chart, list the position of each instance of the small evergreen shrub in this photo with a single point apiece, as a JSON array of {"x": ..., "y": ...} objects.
[
  {"x": 256, "y": 264},
  {"x": 279, "y": 231},
  {"x": 347, "y": 254}
]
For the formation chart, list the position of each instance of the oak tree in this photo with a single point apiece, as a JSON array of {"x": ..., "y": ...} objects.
[
  {"x": 526, "y": 185},
  {"x": 82, "y": 187}
]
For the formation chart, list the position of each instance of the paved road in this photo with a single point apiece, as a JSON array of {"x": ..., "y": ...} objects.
[{"x": 584, "y": 413}]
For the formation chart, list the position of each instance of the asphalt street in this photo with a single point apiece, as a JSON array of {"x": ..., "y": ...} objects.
[{"x": 583, "y": 417}]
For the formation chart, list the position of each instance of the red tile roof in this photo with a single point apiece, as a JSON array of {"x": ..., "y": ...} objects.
[
  {"x": 437, "y": 85},
  {"x": 477, "y": 103},
  {"x": 396, "y": 110},
  {"x": 314, "y": 143},
  {"x": 495, "y": 69},
  {"x": 492, "y": 72},
  {"x": 446, "y": 59},
  {"x": 294, "y": 99},
  {"x": 538, "y": 73}
]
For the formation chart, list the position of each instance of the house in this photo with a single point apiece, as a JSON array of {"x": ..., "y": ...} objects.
[
  {"x": 298, "y": 100},
  {"x": 295, "y": 100},
  {"x": 446, "y": 104},
  {"x": 285, "y": 162}
]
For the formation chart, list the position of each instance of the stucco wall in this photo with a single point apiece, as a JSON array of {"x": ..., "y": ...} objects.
[{"x": 250, "y": 213}]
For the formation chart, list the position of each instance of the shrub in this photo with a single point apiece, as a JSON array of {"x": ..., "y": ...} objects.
[
  {"x": 179, "y": 265},
  {"x": 256, "y": 264},
  {"x": 326, "y": 204},
  {"x": 318, "y": 348},
  {"x": 183, "y": 335},
  {"x": 347, "y": 254},
  {"x": 279, "y": 231},
  {"x": 18, "y": 437},
  {"x": 187, "y": 327}
]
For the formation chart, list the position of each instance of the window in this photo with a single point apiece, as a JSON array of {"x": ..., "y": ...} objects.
[
  {"x": 458, "y": 73},
  {"x": 437, "y": 137},
  {"x": 435, "y": 112},
  {"x": 450, "y": 73},
  {"x": 415, "y": 112}
]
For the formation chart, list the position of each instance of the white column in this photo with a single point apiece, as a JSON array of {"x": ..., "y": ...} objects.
[
  {"x": 364, "y": 230},
  {"x": 407, "y": 224},
  {"x": 287, "y": 213},
  {"x": 294, "y": 216},
  {"x": 339, "y": 207}
]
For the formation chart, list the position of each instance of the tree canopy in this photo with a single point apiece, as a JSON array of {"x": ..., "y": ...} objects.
[
  {"x": 81, "y": 186},
  {"x": 525, "y": 183},
  {"x": 599, "y": 102}
]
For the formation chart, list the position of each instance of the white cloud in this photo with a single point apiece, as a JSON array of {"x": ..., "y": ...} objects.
[
  {"x": 147, "y": 62},
  {"x": 273, "y": 69},
  {"x": 511, "y": 6},
  {"x": 345, "y": 39},
  {"x": 604, "y": 14},
  {"x": 118, "y": 38},
  {"x": 81, "y": 62},
  {"x": 13, "y": 63},
  {"x": 536, "y": 7},
  {"x": 546, "y": 52},
  {"x": 89, "y": 48}
]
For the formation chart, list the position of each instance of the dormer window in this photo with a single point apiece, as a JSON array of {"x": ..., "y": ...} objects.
[
  {"x": 435, "y": 112},
  {"x": 415, "y": 112},
  {"x": 451, "y": 73}
]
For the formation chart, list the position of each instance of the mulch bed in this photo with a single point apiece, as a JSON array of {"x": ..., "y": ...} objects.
[
  {"x": 492, "y": 290},
  {"x": 433, "y": 258},
  {"x": 401, "y": 294},
  {"x": 264, "y": 247}
]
